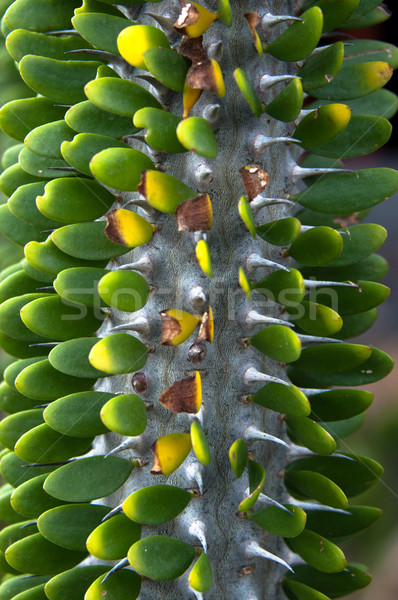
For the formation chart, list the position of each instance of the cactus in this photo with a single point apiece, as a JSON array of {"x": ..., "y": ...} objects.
[{"x": 121, "y": 318}]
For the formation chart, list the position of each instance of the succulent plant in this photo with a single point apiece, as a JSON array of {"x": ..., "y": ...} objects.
[{"x": 180, "y": 385}]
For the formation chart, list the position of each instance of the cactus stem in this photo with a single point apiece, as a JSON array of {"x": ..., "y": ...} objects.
[
  {"x": 252, "y": 434},
  {"x": 254, "y": 318},
  {"x": 198, "y": 530},
  {"x": 253, "y": 376},
  {"x": 140, "y": 325},
  {"x": 269, "y": 20},
  {"x": 116, "y": 511},
  {"x": 267, "y": 500},
  {"x": 254, "y": 550},
  {"x": 261, "y": 202},
  {"x": 211, "y": 113},
  {"x": 261, "y": 142},
  {"x": 268, "y": 81},
  {"x": 255, "y": 261},
  {"x": 194, "y": 471},
  {"x": 120, "y": 565}
]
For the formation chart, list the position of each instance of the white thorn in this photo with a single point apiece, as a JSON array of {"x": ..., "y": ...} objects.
[
  {"x": 260, "y": 202},
  {"x": 300, "y": 172},
  {"x": 268, "y": 81},
  {"x": 253, "y": 376},
  {"x": 306, "y": 228},
  {"x": 159, "y": 88},
  {"x": 254, "y": 550},
  {"x": 142, "y": 204},
  {"x": 269, "y": 20},
  {"x": 211, "y": 113},
  {"x": 197, "y": 297},
  {"x": 254, "y": 318},
  {"x": 120, "y": 565},
  {"x": 255, "y": 261},
  {"x": 143, "y": 265},
  {"x": 215, "y": 51},
  {"x": 312, "y": 391},
  {"x": 261, "y": 142},
  {"x": 166, "y": 23},
  {"x": 198, "y": 530},
  {"x": 303, "y": 113},
  {"x": 266, "y": 499},
  {"x": 194, "y": 472},
  {"x": 313, "y": 283},
  {"x": 140, "y": 325},
  {"x": 203, "y": 174},
  {"x": 314, "y": 339},
  {"x": 316, "y": 506},
  {"x": 126, "y": 445},
  {"x": 117, "y": 510},
  {"x": 252, "y": 434}
]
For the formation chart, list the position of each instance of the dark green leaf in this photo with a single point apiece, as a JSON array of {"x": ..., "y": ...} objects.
[
  {"x": 78, "y": 414},
  {"x": 339, "y": 404},
  {"x": 318, "y": 552},
  {"x": 282, "y": 398},
  {"x": 156, "y": 504},
  {"x": 73, "y": 583},
  {"x": 335, "y": 585},
  {"x": 279, "y": 522},
  {"x": 161, "y": 558},
  {"x": 42, "y": 444}
]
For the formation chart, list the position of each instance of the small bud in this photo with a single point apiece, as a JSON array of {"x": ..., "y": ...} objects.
[
  {"x": 139, "y": 382},
  {"x": 203, "y": 174},
  {"x": 211, "y": 113},
  {"x": 197, "y": 353}
]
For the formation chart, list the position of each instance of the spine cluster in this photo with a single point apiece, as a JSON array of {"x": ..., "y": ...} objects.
[{"x": 194, "y": 264}]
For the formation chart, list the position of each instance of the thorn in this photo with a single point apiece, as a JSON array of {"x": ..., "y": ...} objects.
[
  {"x": 314, "y": 339},
  {"x": 63, "y": 462},
  {"x": 263, "y": 498},
  {"x": 126, "y": 445},
  {"x": 268, "y": 81},
  {"x": 254, "y": 318},
  {"x": 42, "y": 405},
  {"x": 46, "y": 287},
  {"x": 107, "y": 56},
  {"x": 166, "y": 23},
  {"x": 120, "y": 565},
  {"x": 139, "y": 138},
  {"x": 194, "y": 471},
  {"x": 140, "y": 325},
  {"x": 269, "y": 20},
  {"x": 198, "y": 530},
  {"x": 203, "y": 174},
  {"x": 28, "y": 525},
  {"x": 197, "y": 297},
  {"x": 254, "y": 550},
  {"x": 261, "y": 142},
  {"x": 211, "y": 113},
  {"x": 313, "y": 283},
  {"x": 317, "y": 50},
  {"x": 255, "y": 261},
  {"x": 252, "y": 434},
  {"x": 161, "y": 89},
  {"x": 68, "y": 169},
  {"x": 64, "y": 105},
  {"x": 253, "y": 376},
  {"x": 143, "y": 265},
  {"x": 215, "y": 51},
  {"x": 260, "y": 202},
  {"x": 44, "y": 344},
  {"x": 116, "y": 511},
  {"x": 316, "y": 506},
  {"x": 300, "y": 172},
  {"x": 142, "y": 204},
  {"x": 63, "y": 32},
  {"x": 312, "y": 391}
]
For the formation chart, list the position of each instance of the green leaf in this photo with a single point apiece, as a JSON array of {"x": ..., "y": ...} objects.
[
  {"x": 15, "y": 229},
  {"x": 14, "y": 426},
  {"x": 99, "y": 29},
  {"x": 201, "y": 577},
  {"x": 46, "y": 76},
  {"x": 315, "y": 318},
  {"x": 382, "y": 182},
  {"x": 10, "y": 180},
  {"x": 10, "y": 319},
  {"x": 249, "y": 93},
  {"x": 355, "y": 325},
  {"x": 77, "y": 414},
  {"x": 295, "y": 590},
  {"x": 364, "y": 7},
  {"x": 282, "y": 398},
  {"x": 85, "y": 117},
  {"x": 373, "y": 18},
  {"x": 280, "y": 233},
  {"x": 200, "y": 444},
  {"x": 22, "y": 204},
  {"x": 124, "y": 290},
  {"x": 42, "y": 382},
  {"x": 161, "y": 558},
  {"x": 333, "y": 405},
  {"x": 7, "y": 513},
  {"x": 13, "y": 533},
  {"x": 288, "y": 103},
  {"x": 19, "y": 117},
  {"x": 29, "y": 498},
  {"x": 37, "y": 555},
  {"x": 71, "y": 358},
  {"x": 382, "y": 103},
  {"x": 196, "y": 134},
  {"x": 48, "y": 258},
  {"x": 353, "y": 300},
  {"x": 238, "y": 457},
  {"x": 39, "y": 276},
  {"x": 317, "y": 246},
  {"x": 246, "y": 214},
  {"x": 257, "y": 476},
  {"x": 74, "y": 200},
  {"x": 16, "y": 472},
  {"x": 284, "y": 287},
  {"x": 46, "y": 139},
  {"x": 88, "y": 478},
  {"x": 336, "y": 12},
  {"x": 123, "y": 585},
  {"x": 161, "y": 129},
  {"x": 58, "y": 319},
  {"x": 19, "y": 348},
  {"x": 112, "y": 539},
  {"x": 119, "y": 96},
  {"x": 36, "y": 593},
  {"x": 10, "y": 156},
  {"x": 43, "y": 444},
  {"x": 322, "y": 125},
  {"x": 17, "y": 284},
  {"x": 340, "y": 527},
  {"x": 310, "y": 434},
  {"x": 308, "y": 484},
  {"x": 156, "y": 504},
  {"x": 11, "y": 587},
  {"x": 224, "y": 12},
  {"x": 118, "y": 353},
  {"x": 12, "y": 401},
  {"x": 41, "y": 166},
  {"x": 332, "y": 358},
  {"x": 163, "y": 192},
  {"x": 359, "y": 242},
  {"x": 69, "y": 526},
  {"x": 134, "y": 41},
  {"x": 279, "y": 522},
  {"x": 125, "y": 414},
  {"x": 334, "y": 585},
  {"x": 79, "y": 152},
  {"x": 73, "y": 583},
  {"x": 277, "y": 342},
  {"x": 360, "y": 51},
  {"x": 45, "y": 15},
  {"x": 87, "y": 241},
  {"x": 120, "y": 168},
  {"x": 300, "y": 39},
  {"x": 79, "y": 284},
  {"x": 167, "y": 66},
  {"x": 356, "y": 80}
]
